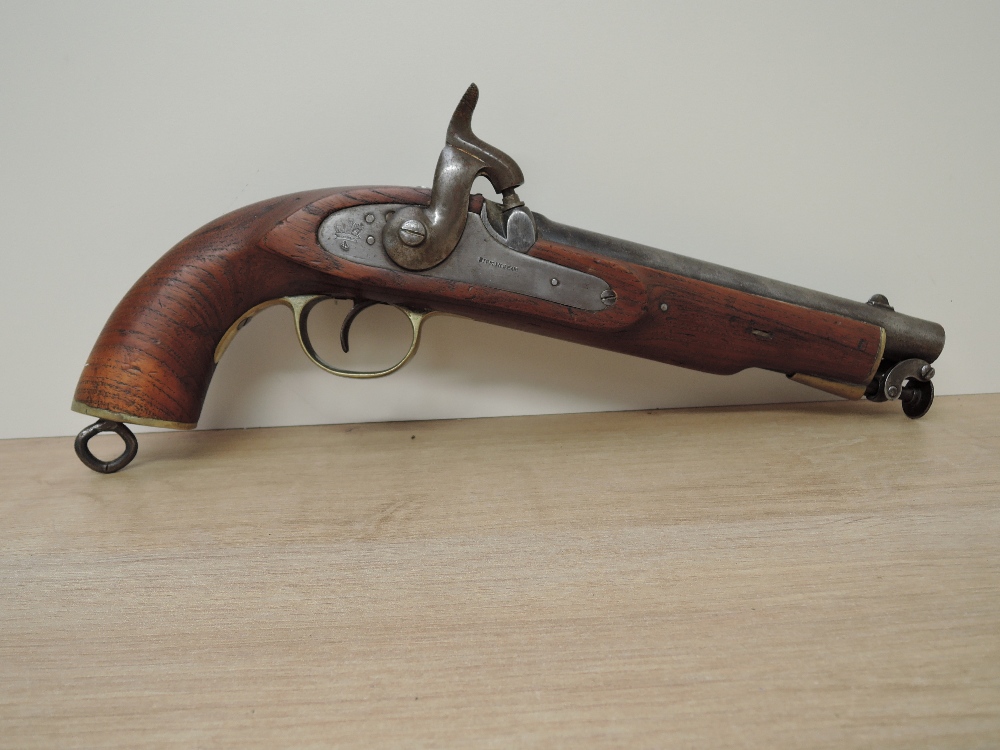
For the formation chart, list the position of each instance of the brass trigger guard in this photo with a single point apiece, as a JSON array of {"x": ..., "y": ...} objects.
[{"x": 301, "y": 306}]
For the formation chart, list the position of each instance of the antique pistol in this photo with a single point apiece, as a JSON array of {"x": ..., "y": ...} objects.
[{"x": 444, "y": 250}]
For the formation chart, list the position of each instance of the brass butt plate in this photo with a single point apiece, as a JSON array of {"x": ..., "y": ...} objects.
[{"x": 114, "y": 416}]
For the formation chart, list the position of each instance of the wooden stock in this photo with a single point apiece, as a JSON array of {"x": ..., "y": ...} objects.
[
  {"x": 705, "y": 327},
  {"x": 153, "y": 361}
]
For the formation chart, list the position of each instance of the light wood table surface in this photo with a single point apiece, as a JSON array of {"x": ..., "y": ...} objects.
[{"x": 786, "y": 576}]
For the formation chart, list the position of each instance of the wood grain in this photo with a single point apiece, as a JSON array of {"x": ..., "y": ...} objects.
[
  {"x": 823, "y": 575},
  {"x": 715, "y": 329},
  {"x": 706, "y": 327},
  {"x": 154, "y": 359},
  {"x": 295, "y": 239}
]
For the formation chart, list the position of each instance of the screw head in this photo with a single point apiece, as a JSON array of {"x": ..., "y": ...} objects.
[
  {"x": 927, "y": 372},
  {"x": 370, "y": 240},
  {"x": 412, "y": 232},
  {"x": 608, "y": 297},
  {"x": 370, "y": 218},
  {"x": 554, "y": 282},
  {"x": 892, "y": 391},
  {"x": 664, "y": 307}
]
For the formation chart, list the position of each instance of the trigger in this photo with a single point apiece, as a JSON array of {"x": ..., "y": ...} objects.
[{"x": 359, "y": 307}]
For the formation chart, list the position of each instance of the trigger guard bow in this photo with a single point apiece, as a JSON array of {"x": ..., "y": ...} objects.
[{"x": 303, "y": 305}]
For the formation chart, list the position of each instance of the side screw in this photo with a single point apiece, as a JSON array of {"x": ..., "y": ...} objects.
[
  {"x": 608, "y": 297},
  {"x": 892, "y": 391},
  {"x": 927, "y": 372},
  {"x": 412, "y": 232}
]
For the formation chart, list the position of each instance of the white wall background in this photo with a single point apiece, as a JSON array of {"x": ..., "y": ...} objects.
[{"x": 848, "y": 147}]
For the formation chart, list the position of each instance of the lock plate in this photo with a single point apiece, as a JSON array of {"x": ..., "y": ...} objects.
[{"x": 481, "y": 259}]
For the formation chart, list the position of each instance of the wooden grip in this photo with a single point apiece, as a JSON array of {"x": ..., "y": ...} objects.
[{"x": 153, "y": 361}]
